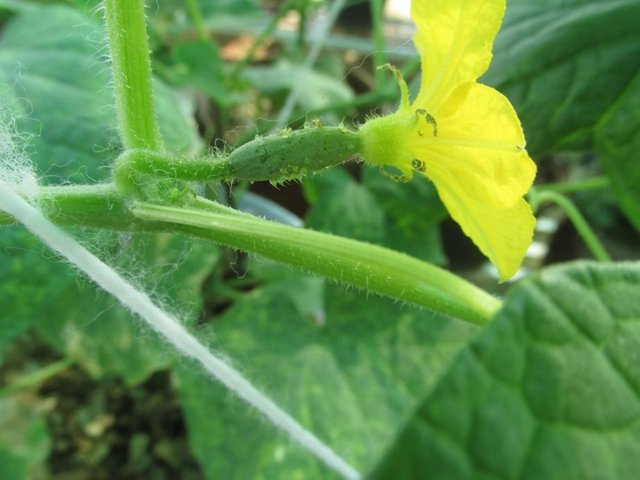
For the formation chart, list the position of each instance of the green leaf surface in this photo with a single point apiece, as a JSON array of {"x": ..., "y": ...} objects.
[
  {"x": 402, "y": 216},
  {"x": 319, "y": 90},
  {"x": 28, "y": 282},
  {"x": 197, "y": 64},
  {"x": 413, "y": 213},
  {"x": 54, "y": 78},
  {"x": 92, "y": 328},
  {"x": 351, "y": 382},
  {"x": 563, "y": 63},
  {"x": 618, "y": 147},
  {"x": 24, "y": 440},
  {"x": 550, "y": 390},
  {"x": 346, "y": 208}
]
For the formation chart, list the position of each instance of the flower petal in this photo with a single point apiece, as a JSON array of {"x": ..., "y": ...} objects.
[
  {"x": 479, "y": 145},
  {"x": 454, "y": 39},
  {"x": 503, "y": 234}
]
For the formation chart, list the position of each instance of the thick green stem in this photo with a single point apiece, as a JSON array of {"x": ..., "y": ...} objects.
[
  {"x": 368, "y": 266},
  {"x": 96, "y": 206},
  {"x": 131, "y": 66},
  {"x": 573, "y": 214}
]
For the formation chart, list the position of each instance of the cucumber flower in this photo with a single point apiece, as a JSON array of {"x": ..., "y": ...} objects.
[{"x": 462, "y": 135}]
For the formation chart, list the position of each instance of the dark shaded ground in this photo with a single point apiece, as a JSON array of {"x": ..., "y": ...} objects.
[{"x": 103, "y": 429}]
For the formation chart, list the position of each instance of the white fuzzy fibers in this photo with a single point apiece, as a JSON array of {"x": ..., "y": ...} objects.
[{"x": 159, "y": 320}]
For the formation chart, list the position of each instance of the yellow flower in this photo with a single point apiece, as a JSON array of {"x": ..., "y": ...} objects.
[{"x": 464, "y": 136}]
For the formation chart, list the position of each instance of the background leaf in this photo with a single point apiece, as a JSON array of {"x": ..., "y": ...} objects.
[
  {"x": 618, "y": 147},
  {"x": 563, "y": 63},
  {"x": 402, "y": 216},
  {"x": 351, "y": 382},
  {"x": 92, "y": 328},
  {"x": 551, "y": 389},
  {"x": 57, "y": 85}
]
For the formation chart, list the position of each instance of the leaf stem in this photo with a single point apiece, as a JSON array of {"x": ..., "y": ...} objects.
[
  {"x": 379, "y": 57},
  {"x": 371, "y": 267},
  {"x": 131, "y": 66},
  {"x": 589, "y": 237},
  {"x": 198, "y": 20},
  {"x": 583, "y": 185}
]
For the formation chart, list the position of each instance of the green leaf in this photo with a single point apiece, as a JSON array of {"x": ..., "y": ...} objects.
[
  {"x": 197, "y": 64},
  {"x": 402, "y": 216},
  {"x": 562, "y": 63},
  {"x": 24, "y": 439},
  {"x": 413, "y": 213},
  {"x": 350, "y": 382},
  {"x": 346, "y": 208},
  {"x": 28, "y": 282},
  {"x": 54, "y": 79},
  {"x": 106, "y": 339},
  {"x": 618, "y": 147},
  {"x": 319, "y": 90},
  {"x": 550, "y": 390}
]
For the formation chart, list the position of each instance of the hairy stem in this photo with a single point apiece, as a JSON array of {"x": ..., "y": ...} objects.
[
  {"x": 371, "y": 267},
  {"x": 131, "y": 66},
  {"x": 357, "y": 263}
]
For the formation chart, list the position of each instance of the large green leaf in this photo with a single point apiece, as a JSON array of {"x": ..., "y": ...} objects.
[
  {"x": 563, "y": 63},
  {"x": 55, "y": 80},
  {"x": 92, "y": 328},
  {"x": 28, "y": 282},
  {"x": 550, "y": 390},
  {"x": 351, "y": 381},
  {"x": 618, "y": 146}
]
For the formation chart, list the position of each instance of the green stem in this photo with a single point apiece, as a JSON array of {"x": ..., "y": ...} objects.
[
  {"x": 198, "y": 20},
  {"x": 36, "y": 378},
  {"x": 364, "y": 265},
  {"x": 131, "y": 66},
  {"x": 368, "y": 266},
  {"x": 277, "y": 158},
  {"x": 537, "y": 197},
  {"x": 584, "y": 185},
  {"x": 379, "y": 57},
  {"x": 96, "y": 206}
]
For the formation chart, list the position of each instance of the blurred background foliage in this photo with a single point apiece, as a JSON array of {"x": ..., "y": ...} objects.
[{"x": 87, "y": 393}]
